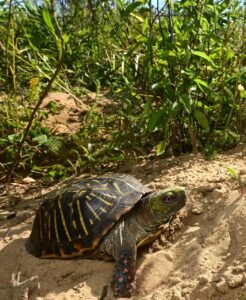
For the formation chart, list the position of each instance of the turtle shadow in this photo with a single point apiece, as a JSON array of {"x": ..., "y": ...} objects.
[
  {"x": 55, "y": 276},
  {"x": 84, "y": 278}
]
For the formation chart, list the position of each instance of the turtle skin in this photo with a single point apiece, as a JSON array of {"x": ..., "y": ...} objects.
[{"x": 96, "y": 218}]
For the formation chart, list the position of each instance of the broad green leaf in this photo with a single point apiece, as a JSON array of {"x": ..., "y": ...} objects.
[
  {"x": 154, "y": 120},
  {"x": 232, "y": 172},
  {"x": 3, "y": 141},
  {"x": 59, "y": 47},
  {"x": 162, "y": 146},
  {"x": 186, "y": 102},
  {"x": 47, "y": 19},
  {"x": 174, "y": 109},
  {"x": 243, "y": 94},
  {"x": 187, "y": 3},
  {"x": 32, "y": 46},
  {"x": 147, "y": 107},
  {"x": 37, "y": 168},
  {"x": 242, "y": 70},
  {"x": 139, "y": 18},
  {"x": 205, "y": 24},
  {"x": 204, "y": 56},
  {"x": 200, "y": 104},
  {"x": 12, "y": 137},
  {"x": 162, "y": 62},
  {"x": 202, "y": 119},
  {"x": 201, "y": 82},
  {"x": 131, "y": 8},
  {"x": 176, "y": 29},
  {"x": 65, "y": 38},
  {"x": 230, "y": 54},
  {"x": 229, "y": 91},
  {"x": 40, "y": 139},
  {"x": 120, "y": 4},
  {"x": 160, "y": 149},
  {"x": 156, "y": 85}
]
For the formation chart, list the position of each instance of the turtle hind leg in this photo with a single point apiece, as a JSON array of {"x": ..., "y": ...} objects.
[
  {"x": 124, "y": 274},
  {"x": 33, "y": 249}
]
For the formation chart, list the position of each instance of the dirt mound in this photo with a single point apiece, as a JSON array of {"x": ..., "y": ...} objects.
[{"x": 66, "y": 113}]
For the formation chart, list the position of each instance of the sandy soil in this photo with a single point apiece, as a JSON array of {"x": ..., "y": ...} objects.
[{"x": 201, "y": 256}]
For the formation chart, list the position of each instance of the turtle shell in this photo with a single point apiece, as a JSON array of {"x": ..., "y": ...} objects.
[{"x": 72, "y": 221}]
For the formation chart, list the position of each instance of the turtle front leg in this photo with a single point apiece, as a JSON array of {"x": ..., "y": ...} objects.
[
  {"x": 120, "y": 244},
  {"x": 124, "y": 274}
]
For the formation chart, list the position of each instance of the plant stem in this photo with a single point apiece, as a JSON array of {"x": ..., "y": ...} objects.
[{"x": 41, "y": 98}]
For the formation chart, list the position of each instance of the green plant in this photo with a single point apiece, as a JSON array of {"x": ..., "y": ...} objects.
[{"x": 174, "y": 74}]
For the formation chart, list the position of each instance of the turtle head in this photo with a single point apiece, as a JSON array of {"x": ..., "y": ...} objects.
[{"x": 167, "y": 202}]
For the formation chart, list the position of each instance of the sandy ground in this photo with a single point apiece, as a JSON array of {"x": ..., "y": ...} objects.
[{"x": 203, "y": 258}]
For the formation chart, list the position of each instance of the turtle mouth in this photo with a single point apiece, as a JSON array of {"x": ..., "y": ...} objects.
[
  {"x": 180, "y": 201},
  {"x": 180, "y": 204},
  {"x": 182, "y": 196}
]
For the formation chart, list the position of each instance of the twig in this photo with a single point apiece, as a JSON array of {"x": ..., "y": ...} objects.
[
  {"x": 41, "y": 98},
  {"x": 6, "y": 233},
  {"x": 15, "y": 281}
]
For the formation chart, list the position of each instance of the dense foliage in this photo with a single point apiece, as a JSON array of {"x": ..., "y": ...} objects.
[{"x": 175, "y": 71}]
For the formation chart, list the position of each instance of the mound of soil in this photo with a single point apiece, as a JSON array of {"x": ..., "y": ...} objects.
[{"x": 205, "y": 259}]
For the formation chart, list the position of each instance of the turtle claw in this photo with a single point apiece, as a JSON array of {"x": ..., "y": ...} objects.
[
  {"x": 124, "y": 276},
  {"x": 104, "y": 292}
]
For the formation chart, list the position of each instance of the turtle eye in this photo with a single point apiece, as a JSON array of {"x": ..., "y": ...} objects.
[{"x": 169, "y": 197}]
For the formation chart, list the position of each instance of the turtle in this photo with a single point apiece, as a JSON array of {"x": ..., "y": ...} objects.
[{"x": 104, "y": 217}]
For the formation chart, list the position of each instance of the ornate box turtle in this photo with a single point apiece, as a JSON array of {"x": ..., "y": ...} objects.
[{"x": 103, "y": 217}]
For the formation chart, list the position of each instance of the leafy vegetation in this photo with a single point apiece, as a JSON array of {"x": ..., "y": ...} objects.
[{"x": 175, "y": 72}]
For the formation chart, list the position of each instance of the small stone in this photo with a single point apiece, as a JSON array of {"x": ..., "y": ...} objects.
[
  {"x": 191, "y": 229},
  {"x": 222, "y": 286},
  {"x": 216, "y": 278},
  {"x": 151, "y": 186},
  {"x": 219, "y": 185},
  {"x": 176, "y": 295},
  {"x": 28, "y": 180},
  {"x": 169, "y": 256},
  {"x": 186, "y": 284},
  {"x": 244, "y": 266},
  {"x": 206, "y": 188},
  {"x": 217, "y": 194},
  {"x": 175, "y": 280},
  {"x": 242, "y": 171},
  {"x": 237, "y": 269},
  {"x": 197, "y": 210},
  {"x": 234, "y": 280},
  {"x": 202, "y": 279},
  {"x": 242, "y": 181}
]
